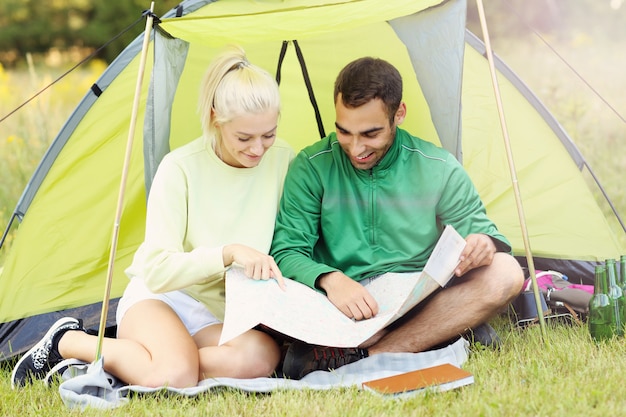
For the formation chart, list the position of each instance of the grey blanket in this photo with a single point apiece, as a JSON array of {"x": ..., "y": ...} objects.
[{"x": 89, "y": 386}]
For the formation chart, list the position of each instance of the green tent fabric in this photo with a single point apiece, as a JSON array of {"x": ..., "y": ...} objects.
[{"x": 59, "y": 256}]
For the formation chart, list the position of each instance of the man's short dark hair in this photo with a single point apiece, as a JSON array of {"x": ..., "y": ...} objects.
[{"x": 366, "y": 79}]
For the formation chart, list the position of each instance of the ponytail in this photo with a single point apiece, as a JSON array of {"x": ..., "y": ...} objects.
[{"x": 232, "y": 86}]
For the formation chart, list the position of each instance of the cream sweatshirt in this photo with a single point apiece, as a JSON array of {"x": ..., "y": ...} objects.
[{"x": 197, "y": 205}]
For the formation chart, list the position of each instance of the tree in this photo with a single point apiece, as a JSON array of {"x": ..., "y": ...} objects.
[{"x": 37, "y": 26}]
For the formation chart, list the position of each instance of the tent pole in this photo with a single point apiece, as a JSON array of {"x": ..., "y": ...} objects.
[
  {"x": 120, "y": 199},
  {"x": 507, "y": 143}
]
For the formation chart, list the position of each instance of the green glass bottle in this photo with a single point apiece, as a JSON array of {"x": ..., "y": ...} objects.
[
  {"x": 622, "y": 272},
  {"x": 616, "y": 295},
  {"x": 601, "y": 317}
]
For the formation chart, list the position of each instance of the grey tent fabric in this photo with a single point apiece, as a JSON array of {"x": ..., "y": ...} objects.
[
  {"x": 95, "y": 388},
  {"x": 91, "y": 388},
  {"x": 440, "y": 74},
  {"x": 170, "y": 55}
]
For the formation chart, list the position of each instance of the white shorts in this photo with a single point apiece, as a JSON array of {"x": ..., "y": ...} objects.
[
  {"x": 366, "y": 281},
  {"x": 194, "y": 315}
]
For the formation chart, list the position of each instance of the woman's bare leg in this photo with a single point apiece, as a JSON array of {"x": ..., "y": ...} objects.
[
  {"x": 251, "y": 355},
  {"x": 153, "y": 348}
]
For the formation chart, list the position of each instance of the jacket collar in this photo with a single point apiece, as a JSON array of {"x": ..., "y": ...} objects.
[{"x": 392, "y": 153}]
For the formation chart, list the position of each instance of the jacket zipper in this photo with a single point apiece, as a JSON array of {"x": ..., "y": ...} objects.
[{"x": 372, "y": 207}]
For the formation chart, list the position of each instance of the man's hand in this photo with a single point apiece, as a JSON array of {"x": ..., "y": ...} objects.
[
  {"x": 350, "y": 297},
  {"x": 479, "y": 251}
]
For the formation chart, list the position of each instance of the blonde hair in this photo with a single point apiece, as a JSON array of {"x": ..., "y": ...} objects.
[{"x": 232, "y": 86}]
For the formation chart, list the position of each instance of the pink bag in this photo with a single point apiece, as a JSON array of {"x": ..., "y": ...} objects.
[{"x": 558, "y": 290}]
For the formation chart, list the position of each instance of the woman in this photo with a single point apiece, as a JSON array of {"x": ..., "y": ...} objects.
[{"x": 212, "y": 204}]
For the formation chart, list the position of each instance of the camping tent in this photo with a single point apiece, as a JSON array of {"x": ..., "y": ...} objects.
[{"x": 59, "y": 257}]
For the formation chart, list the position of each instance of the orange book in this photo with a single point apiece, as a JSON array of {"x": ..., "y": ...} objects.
[{"x": 440, "y": 378}]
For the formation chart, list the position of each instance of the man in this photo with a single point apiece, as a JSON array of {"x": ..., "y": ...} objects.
[{"x": 371, "y": 199}]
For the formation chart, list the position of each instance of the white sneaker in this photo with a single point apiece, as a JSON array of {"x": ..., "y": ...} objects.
[{"x": 36, "y": 363}]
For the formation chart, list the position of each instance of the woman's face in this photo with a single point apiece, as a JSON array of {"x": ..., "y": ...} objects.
[{"x": 246, "y": 138}]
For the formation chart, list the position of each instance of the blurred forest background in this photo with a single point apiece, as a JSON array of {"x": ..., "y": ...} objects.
[
  {"x": 69, "y": 26},
  {"x": 539, "y": 39}
]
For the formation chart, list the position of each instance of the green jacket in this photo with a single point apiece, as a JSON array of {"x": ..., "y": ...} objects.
[{"x": 333, "y": 216}]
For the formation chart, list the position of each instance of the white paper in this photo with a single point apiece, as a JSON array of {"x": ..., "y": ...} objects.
[{"x": 308, "y": 315}]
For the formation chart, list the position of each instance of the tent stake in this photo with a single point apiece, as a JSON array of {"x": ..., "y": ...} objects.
[
  {"x": 120, "y": 198},
  {"x": 509, "y": 154}
]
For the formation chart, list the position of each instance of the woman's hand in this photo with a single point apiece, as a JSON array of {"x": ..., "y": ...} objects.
[{"x": 257, "y": 265}]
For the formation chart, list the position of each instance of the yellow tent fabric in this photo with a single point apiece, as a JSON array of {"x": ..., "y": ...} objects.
[
  {"x": 562, "y": 215},
  {"x": 59, "y": 257},
  {"x": 297, "y": 124},
  {"x": 261, "y": 21}
]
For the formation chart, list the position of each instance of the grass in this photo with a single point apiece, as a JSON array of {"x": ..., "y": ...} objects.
[{"x": 567, "y": 374}]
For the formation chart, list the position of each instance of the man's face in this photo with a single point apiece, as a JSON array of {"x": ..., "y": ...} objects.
[{"x": 365, "y": 133}]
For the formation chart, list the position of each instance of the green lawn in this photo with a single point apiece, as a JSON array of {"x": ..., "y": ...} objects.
[{"x": 566, "y": 375}]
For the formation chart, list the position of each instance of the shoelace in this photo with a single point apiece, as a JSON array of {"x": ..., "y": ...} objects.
[{"x": 333, "y": 357}]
